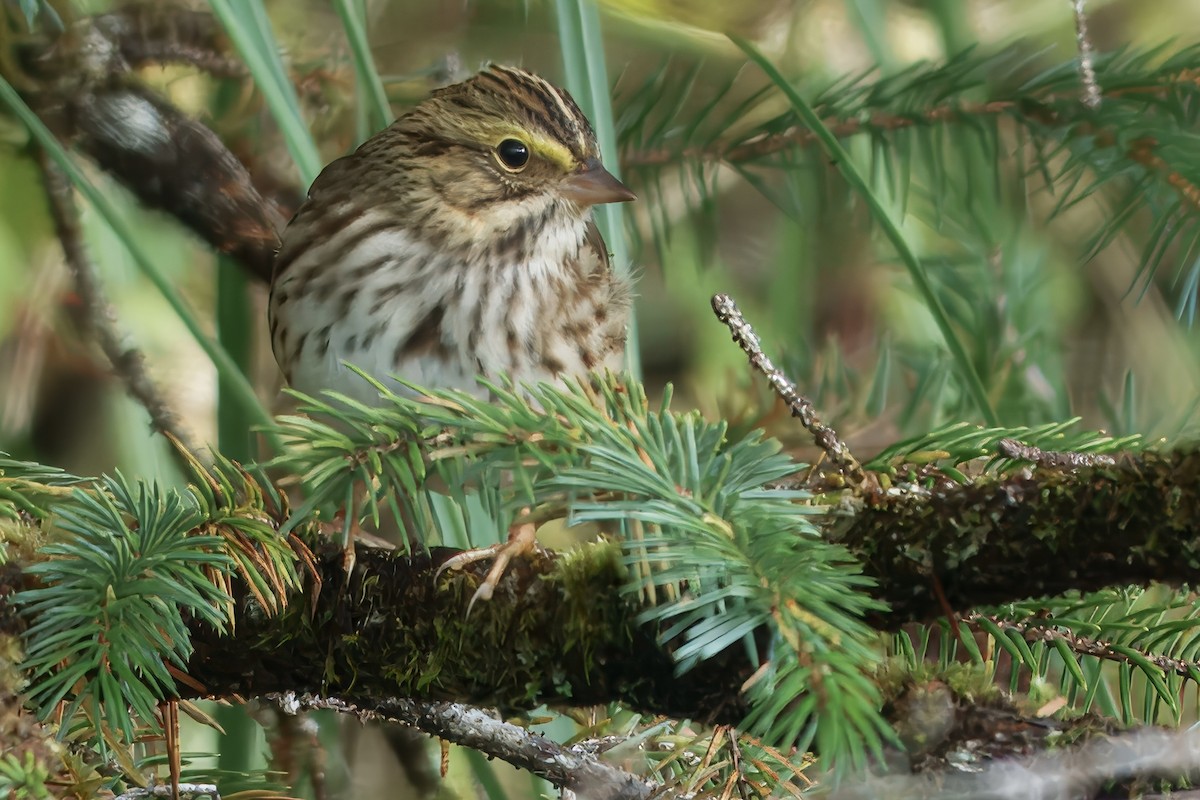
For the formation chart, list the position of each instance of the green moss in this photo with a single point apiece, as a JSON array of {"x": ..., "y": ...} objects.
[{"x": 969, "y": 682}]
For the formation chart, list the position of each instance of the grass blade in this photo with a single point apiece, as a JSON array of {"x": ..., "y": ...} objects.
[
  {"x": 248, "y": 27},
  {"x": 833, "y": 148},
  {"x": 587, "y": 81},
  {"x": 379, "y": 113}
]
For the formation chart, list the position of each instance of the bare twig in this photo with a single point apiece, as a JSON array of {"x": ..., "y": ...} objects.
[
  {"x": 128, "y": 362},
  {"x": 1087, "y": 71},
  {"x": 800, "y": 406},
  {"x": 207, "y": 790},
  {"x": 1147, "y": 757},
  {"x": 148, "y": 32},
  {"x": 564, "y": 767},
  {"x": 1011, "y": 448}
]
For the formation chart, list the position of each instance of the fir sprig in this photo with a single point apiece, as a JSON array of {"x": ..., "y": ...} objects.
[
  {"x": 728, "y": 562},
  {"x": 110, "y": 614},
  {"x": 25, "y": 486},
  {"x": 1149, "y": 631},
  {"x": 1135, "y": 152},
  {"x": 244, "y": 509},
  {"x": 959, "y": 442},
  {"x": 130, "y": 568}
]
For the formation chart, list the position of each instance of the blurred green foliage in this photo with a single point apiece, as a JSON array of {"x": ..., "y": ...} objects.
[{"x": 1062, "y": 266}]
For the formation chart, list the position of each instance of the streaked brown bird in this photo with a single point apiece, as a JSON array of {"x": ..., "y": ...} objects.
[{"x": 457, "y": 242}]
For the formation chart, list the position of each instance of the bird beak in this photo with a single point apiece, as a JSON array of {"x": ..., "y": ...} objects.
[{"x": 592, "y": 185}]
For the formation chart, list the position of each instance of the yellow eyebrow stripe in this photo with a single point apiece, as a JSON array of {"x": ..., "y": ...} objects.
[{"x": 553, "y": 151}]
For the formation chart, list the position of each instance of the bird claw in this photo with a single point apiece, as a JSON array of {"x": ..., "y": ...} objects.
[
  {"x": 336, "y": 529},
  {"x": 522, "y": 540},
  {"x": 484, "y": 592},
  {"x": 460, "y": 560}
]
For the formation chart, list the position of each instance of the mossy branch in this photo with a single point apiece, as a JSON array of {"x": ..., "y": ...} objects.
[
  {"x": 565, "y": 629},
  {"x": 1031, "y": 533},
  {"x": 559, "y": 630}
]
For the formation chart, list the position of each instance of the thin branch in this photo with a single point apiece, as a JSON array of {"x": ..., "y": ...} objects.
[
  {"x": 83, "y": 88},
  {"x": 208, "y": 790},
  {"x": 127, "y": 361},
  {"x": 1087, "y": 70},
  {"x": 1103, "y": 767},
  {"x": 1011, "y": 448},
  {"x": 153, "y": 33},
  {"x": 801, "y": 407},
  {"x": 1037, "y": 108},
  {"x": 565, "y": 767},
  {"x": 799, "y": 136},
  {"x": 1033, "y": 632}
]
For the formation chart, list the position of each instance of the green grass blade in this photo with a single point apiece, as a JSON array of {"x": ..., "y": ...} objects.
[
  {"x": 833, "y": 148},
  {"x": 587, "y": 81},
  {"x": 235, "y": 318},
  {"x": 481, "y": 767},
  {"x": 379, "y": 112},
  {"x": 248, "y": 27},
  {"x": 234, "y": 324},
  {"x": 227, "y": 369},
  {"x": 870, "y": 17}
]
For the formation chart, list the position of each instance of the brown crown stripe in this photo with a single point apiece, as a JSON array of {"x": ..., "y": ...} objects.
[{"x": 546, "y": 104}]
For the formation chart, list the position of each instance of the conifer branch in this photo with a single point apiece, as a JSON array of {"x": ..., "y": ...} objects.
[
  {"x": 559, "y": 630},
  {"x": 1118, "y": 548},
  {"x": 1046, "y": 109},
  {"x": 1034, "y": 631},
  {"x": 767, "y": 144},
  {"x": 1032, "y": 532},
  {"x": 563, "y": 630}
]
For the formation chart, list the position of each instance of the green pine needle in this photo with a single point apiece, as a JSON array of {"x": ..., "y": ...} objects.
[{"x": 751, "y": 559}]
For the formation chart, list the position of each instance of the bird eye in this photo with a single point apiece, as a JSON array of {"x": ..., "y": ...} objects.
[{"x": 513, "y": 154}]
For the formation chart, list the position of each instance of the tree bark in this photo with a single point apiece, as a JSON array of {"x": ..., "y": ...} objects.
[{"x": 560, "y": 629}]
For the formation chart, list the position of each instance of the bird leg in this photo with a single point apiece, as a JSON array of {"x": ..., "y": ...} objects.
[
  {"x": 351, "y": 534},
  {"x": 337, "y": 530},
  {"x": 522, "y": 541}
]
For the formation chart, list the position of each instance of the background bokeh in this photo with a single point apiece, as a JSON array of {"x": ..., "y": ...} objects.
[
  {"x": 1056, "y": 327},
  {"x": 826, "y": 294}
]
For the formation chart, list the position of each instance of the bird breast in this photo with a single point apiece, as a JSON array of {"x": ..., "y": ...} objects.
[{"x": 373, "y": 295}]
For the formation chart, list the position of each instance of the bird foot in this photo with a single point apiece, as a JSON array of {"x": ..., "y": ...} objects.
[
  {"x": 522, "y": 541},
  {"x": 350, "y": 538},
  {"x": 336, "y": 529}
]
